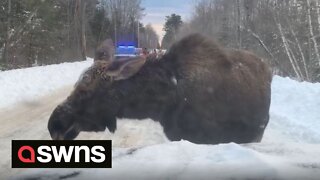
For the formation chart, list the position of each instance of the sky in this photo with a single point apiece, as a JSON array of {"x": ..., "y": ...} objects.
[{"x": 156, "y": 11}]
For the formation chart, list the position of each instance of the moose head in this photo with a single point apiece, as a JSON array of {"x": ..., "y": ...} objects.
[{"x": 95, "y": 100}]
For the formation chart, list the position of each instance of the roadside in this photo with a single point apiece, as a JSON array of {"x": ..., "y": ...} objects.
[{"x": 27, "y": 120}]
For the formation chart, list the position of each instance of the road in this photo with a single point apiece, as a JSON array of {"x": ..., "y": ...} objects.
[{"x": 28, "y": 121}]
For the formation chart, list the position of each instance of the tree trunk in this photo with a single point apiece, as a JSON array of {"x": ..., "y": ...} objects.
[
  {"x": 318, "y": 18},
  {"x": 239, "y": 25},
  {"x": 295, "y": 62},
  {"x": 285, "y": 44},
  {"x": 7, "y": 41},
  {"x": 301, "y": 54},
  {"x": 79, "y": 19},
  {"x": 311, "y": 32},
  {"x": 264, "y": 46},
  {"x": 83, "y": 29}
]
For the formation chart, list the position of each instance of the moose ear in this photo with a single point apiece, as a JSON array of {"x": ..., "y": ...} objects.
[
  {"x": 129, "y": 67},
  {"x": 105, "y": 51}
]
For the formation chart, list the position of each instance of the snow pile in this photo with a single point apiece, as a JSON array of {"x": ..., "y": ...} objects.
[
  {"x": 295, "y": 110},
  {"x": 31, "y": 83},
  {"x": 185, "y": 160},
  {"x": 290, "y": 148}
]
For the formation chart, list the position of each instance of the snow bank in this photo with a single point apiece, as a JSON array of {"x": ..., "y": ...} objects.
[
  {"x": 295, "y": 109},
  {"x": 31, "y": 83},
  {"x": 185, "y": 160}
]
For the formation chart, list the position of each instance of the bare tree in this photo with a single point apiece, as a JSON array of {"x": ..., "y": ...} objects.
[
  {"x": 148, "y": 37},
  {"x": 315, "y": 43},
  {"x": 124, "y": 15},
  {"x": 274, "y": 29},
  {"x": 8, "y": 34}
]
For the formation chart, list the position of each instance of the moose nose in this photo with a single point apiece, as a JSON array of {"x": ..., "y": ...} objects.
[{"x": 56, "y": 136}]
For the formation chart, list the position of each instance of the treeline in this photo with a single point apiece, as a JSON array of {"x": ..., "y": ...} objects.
[
  {"x": 286, "y": 32},
  {"x": 37, "y": 32}
]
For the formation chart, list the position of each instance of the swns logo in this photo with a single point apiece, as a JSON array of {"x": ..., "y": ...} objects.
[{"x": 61, "y": 154}]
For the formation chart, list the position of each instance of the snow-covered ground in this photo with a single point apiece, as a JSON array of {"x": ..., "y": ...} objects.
[
  {"x": 290, "y": 148},
  {"x": 31, "y": 83}
]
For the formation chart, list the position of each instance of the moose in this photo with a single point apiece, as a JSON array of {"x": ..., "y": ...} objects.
[{"x": 198, "y": 91}]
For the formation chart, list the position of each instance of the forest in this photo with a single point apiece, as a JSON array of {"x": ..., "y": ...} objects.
[
  {"x": 286, "y": 33},
  {"x": 34, "y": 32}
]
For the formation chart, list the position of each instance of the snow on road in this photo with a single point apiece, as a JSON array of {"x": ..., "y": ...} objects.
[
  {"x": 290, "y": 148},
  {"x": 25, "y": 121}
]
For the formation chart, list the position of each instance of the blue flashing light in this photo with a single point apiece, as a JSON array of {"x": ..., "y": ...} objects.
[
  {"x": 126, "y": 43},
  {"x": 129, "y": 50}
]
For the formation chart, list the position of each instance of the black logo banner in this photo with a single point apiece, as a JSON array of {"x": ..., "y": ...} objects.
[{"x": 61, "y": 154}]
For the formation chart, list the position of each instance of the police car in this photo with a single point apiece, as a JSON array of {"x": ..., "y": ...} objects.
[{"x": 123, "y": 52}]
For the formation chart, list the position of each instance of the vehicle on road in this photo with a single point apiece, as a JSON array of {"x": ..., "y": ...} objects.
[{"x": 123, "y": 52}]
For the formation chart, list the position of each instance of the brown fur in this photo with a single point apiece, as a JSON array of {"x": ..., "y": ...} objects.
[
  {"x": 219, "y": 95},
  {"x": 233, "y": 85},
  {"x": 105, "y": 51}
]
